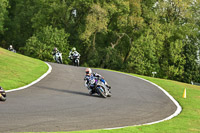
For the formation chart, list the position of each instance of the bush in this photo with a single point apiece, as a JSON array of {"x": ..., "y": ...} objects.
[{"x": 41, "y": 44}]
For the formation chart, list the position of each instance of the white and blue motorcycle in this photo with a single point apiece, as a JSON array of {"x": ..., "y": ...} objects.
[
  {"x": 98, "y": 86},
  {"x": 58, "y": 58}
]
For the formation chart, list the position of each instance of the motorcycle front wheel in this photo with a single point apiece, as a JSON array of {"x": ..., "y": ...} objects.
[
  {"x": 60, "y": 61},
  {"x": 77, "y": 63},
  {"x": 101, "y": 91}
]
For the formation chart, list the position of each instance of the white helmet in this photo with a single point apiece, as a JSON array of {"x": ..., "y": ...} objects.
[{"x": 88, "y": 71}]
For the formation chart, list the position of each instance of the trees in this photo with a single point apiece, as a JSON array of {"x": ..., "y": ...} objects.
[
  {"x": 3, "y": 17},
  {"x": 96, "y": 21},
  {"x": 139, "y": 36},
  {"x": 41, "y": 44},
  {"x": 3, "y": 14}
]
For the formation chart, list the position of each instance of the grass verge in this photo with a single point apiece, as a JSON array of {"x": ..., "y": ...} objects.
[
  {"x": 188, "y": 121},
  {"x": 17, "y": 70}
]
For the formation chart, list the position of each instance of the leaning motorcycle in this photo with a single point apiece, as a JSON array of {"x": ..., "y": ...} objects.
[
  {"x": 76, "y": 58},
  {"x": 2, "y": 95},
  {"x": 58, "y": 58},
  {"x": 100, "y": 88},
  {"x": 12, "y": 50}
]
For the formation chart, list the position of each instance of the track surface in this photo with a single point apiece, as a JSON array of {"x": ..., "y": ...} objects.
[{"x": 60, "y": 102}]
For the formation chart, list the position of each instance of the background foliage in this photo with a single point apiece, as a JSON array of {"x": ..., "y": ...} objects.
[{"x": 139, "y": 36}]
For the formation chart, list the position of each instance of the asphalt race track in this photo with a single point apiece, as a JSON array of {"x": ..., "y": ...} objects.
[{"x": 60, "y": 102}]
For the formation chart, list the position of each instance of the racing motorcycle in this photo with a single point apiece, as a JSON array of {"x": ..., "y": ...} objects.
[
  {"x": 58, "y": 58},
  {"x": 76, "y": 58},
  {"x": 2, "y": 95},
  {"x": 12, "y": 50},
  {"x": 100, "y": 88}
]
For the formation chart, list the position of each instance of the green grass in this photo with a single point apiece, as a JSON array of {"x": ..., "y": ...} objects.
[
  {"x": 188, "y": 121},
  {"x": 17, "y": 70}
]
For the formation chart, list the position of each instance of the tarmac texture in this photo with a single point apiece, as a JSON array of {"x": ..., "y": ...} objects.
[{"x": 60, "y": 102}]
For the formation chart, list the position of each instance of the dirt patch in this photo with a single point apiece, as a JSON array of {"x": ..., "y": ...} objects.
[{"x": 194, "y": 129}]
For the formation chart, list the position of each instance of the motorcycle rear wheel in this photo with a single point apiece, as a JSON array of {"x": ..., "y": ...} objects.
[
  {"x": 2, "y": 98},
  {"x": 109, "y": 95}
]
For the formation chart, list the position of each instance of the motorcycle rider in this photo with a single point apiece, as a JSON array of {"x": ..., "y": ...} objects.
[
  {"x": 72, "y": 53},
  {"x": 1, "y": 89},
  {"x": 3, "y": 98},
  {"x": 11, "y": 49},
  {"x": 55, "y": 50},
  {"x": 90, "y": 76}
]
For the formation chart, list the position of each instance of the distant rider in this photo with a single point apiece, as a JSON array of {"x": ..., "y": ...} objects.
[
  {"x": 72, "y": 53},
  {"x": 11, "y": 49},
  {"x": 2, "y": 94},
  {"x": 55, "y": 50},
  {"x": 1, "y": 90},
  {"x": 89, "y": 77}
]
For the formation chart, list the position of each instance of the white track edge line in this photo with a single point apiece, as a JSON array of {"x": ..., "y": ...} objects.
[
  {"x": 178, "y": 110},
  {"x": 34, "y": 82}
]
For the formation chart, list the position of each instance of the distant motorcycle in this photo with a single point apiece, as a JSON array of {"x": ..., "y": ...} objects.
[
  {"x": 76, "y": 58},
  {"x": 2, "y": 95},
  {"x": 100, "y": 88},
  {"x": 12, "y": 50},
  {"x": 58, "y": 58}
]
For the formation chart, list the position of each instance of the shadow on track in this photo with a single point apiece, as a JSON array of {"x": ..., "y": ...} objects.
[{"x": 68, "y": 91}]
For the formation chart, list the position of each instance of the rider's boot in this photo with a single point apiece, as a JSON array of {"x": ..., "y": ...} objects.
[{"x": 107, "y": 85}]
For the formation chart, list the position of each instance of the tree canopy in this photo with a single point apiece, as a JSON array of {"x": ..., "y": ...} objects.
[{"x": 139, "y": 36}]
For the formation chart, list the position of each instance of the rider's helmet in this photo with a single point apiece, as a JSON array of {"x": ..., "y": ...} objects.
[
  {"x": 11, "y": 46},
  {"x": 55, "y": 49},
  {"x": 88, "y": 71},
  {"x": 73, "y": 49}
]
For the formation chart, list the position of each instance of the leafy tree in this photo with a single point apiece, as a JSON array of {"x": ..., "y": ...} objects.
[
  {"x": 139, "y": 36},
  {"x": 3, "y": 13},
  {"x": 4, "y": 4},
  {"x": 96, "y": 21},
  {"x": 52, "y": 12},
  {"x": 41, "y": 44}
]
